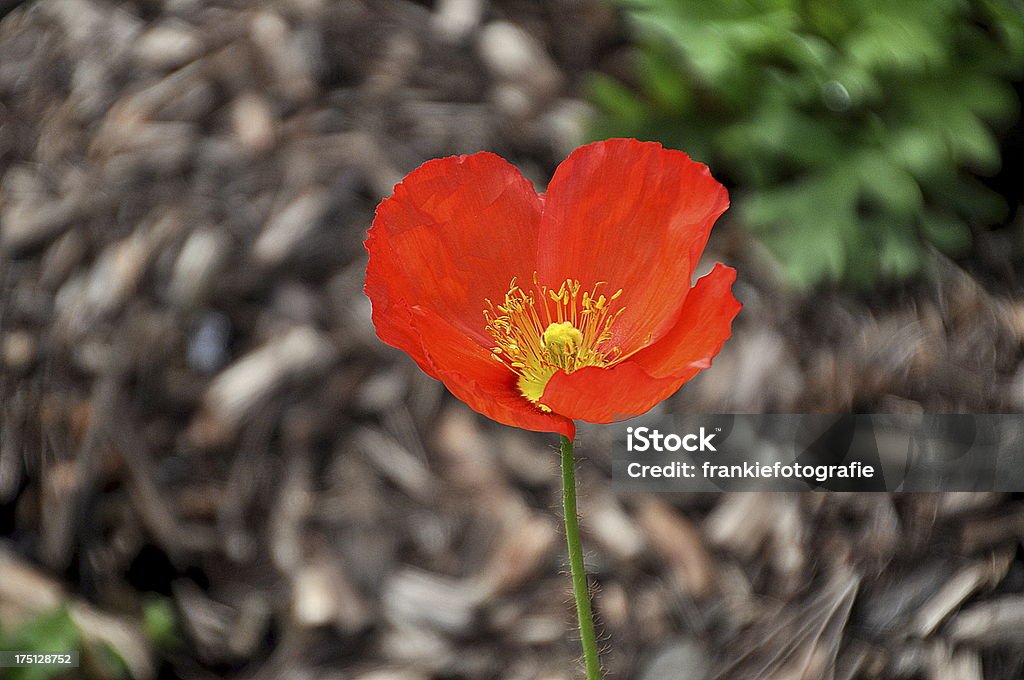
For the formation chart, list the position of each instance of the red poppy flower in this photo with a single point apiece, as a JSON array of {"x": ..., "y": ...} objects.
[{"x": 538, "y": 310}]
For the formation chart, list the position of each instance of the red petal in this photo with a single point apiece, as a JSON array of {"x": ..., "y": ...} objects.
[
  {"x": 476, "y": 378},
  {"x": 704, "y": 325},
  {"x": 633, "y": 387},
  {"x": 607, "y": 395},
  {"x": 454, "y": 232},
  {"x": 633, "y": 214}
]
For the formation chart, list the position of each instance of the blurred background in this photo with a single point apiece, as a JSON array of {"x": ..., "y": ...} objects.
[{"x": 210, "y": 467}]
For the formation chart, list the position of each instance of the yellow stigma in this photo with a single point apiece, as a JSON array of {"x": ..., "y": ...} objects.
[
  {"x": 562, "y": 338},
  {"x": 539, "y": 332}
]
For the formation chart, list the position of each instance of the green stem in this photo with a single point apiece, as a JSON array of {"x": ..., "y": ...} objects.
[{"x": 579, "y": 576}]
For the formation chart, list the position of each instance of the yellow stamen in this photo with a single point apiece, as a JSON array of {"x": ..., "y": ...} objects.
[{"x": 539, "y": 332}]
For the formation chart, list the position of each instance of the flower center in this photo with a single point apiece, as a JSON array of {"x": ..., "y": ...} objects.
[{"x": 540, "y": 331}]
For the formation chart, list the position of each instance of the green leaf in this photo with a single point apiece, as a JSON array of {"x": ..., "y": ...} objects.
[
  {"x": 160, "y": 621},
  {"x": 53, "y": 631},
  {"x": 664, "y": 82},
  {"x": 854, "y": 132},
  {"x": 616, "y": 100},
  {"x": 885, "y": 181},
  {"x": 948, "y": 233}
]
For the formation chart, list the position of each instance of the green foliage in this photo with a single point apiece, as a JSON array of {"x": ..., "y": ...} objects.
[
  {"x": 51, "y": 632},
  {"x": 56, "y": 631},
  {"x": 160, "y": 622},
  {"x": 854, "y": 131}
]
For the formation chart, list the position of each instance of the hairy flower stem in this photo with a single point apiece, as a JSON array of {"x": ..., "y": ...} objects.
[{"x": 579, "y": 576}]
